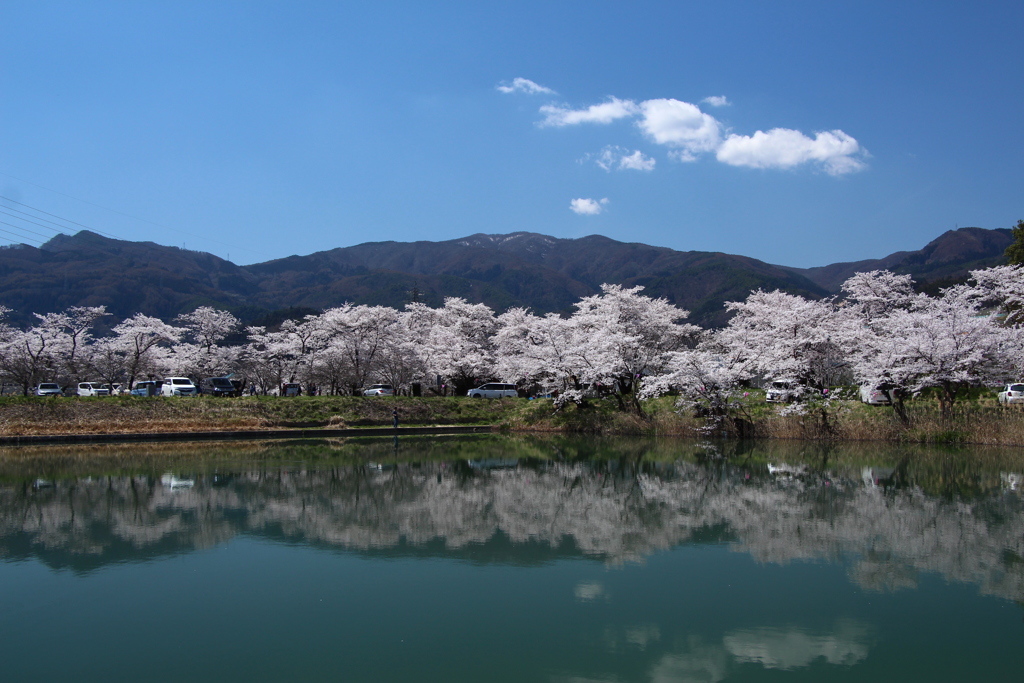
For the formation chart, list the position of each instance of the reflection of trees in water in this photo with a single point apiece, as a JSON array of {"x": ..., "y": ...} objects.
[{"x": 615, "y": 509}]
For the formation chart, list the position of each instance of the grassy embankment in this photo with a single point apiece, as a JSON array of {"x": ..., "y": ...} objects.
[
  {"x": 123, "y": 414},
  {"x": 977, "y": 420}
]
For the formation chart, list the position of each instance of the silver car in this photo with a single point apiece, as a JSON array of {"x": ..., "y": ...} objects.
[
  {"x": 875, "y": 395},
  {"x": 48, "y": 389},
  {"x": 493, "y": 390},
  {"x": 379, "y": 390}
]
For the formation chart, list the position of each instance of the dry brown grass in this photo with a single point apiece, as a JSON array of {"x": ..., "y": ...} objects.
[
  {"x": 979, "y": 421},
  {"x": 120, "y": 415},
  {"x": 975, "y": 422},
  {"x": 69, "y": 416}
]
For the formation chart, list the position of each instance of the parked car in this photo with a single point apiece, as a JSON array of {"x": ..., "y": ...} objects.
[
  {"x": 494, "y": 390},
  {"x": 115, "y": 389},
  {"x": 92, "y": 389},
  {"x": 218, "y": 386},
  {"x": 146, "y": 388},
  {"x": 178, "y": 386},
  {"x": 379, "y": 390},
  {"x": 1012, "y": 393},
  {"x": 876, "y": 395},
  {"x": 291, "y": 389},
  {"x": 48, "y": 389},
  {"x": 782, "y": 391}
]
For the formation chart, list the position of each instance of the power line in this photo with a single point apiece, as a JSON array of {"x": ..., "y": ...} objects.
[
  {"x": 19, "y": 218},
  {"x": 126, "y": 215},
  {"x": 26, "y": 213},
  {"x": 105, "y": 234},
  {"x": 21, "y": 237},
  {"x": 31, "y": 232}
]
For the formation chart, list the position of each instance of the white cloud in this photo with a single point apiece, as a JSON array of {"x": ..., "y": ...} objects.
[
  {"x": 613, "y": 157},
  {"x": 637, "y": 162},
  {"x": 524, "y": 85},
  {"x": 717, "y": 101},
  {"x": 680, "y": 125},
  {"x": 836, "y": 151},
  {"x": 588, "y": 207},
  {"x": 689, "y": 132},
  {"x": 606, "y": 112}
]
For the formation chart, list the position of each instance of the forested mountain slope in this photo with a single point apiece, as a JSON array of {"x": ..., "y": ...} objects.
[
  {"x": 950, "y": 256},
  {"x": 520, "y": 269}
]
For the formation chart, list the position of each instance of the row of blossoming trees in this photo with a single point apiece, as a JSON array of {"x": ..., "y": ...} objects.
[{"x": 617, "y": 343}]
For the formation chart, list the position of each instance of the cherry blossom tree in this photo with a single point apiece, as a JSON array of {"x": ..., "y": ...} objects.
[
  {"x": 788, "y": 337},
  {"x": 913, "y": 341},
  {"x": 1003, "y": 288},
  {"x": 207, "y": 326},
  {"x": 455, "y": 340},
  {"x": 200, "y": 355},
  {"x": 620, "y": 336},
  {"x": 399, "y": 362},
  {"x": 357, "y": 336},
  {"x": 708, "y": 379},
  {"x": 949, "y": 343},
  {"x": 272, "y": 358},
  {"x": 27, "y": 357},
  {"x": 141, "y": 337},
  {"x": 70, "y": 336}
]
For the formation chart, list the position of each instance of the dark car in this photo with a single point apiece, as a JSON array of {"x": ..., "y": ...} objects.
[{"x": 218, "y": 386}]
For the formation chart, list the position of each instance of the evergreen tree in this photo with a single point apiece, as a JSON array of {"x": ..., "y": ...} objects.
[{"x": 1015, "y": 252}]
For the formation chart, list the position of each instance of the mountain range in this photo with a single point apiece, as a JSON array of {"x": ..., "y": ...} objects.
[{"x": 520, "y": 269}]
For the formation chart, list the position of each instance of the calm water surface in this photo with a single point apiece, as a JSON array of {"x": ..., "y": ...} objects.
[{"x": 500, "y": 559}]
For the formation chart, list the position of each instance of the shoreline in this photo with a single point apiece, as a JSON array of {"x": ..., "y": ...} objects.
[
  {"x": 241, "y": 435},
  {"x": 25, "y": 421}
]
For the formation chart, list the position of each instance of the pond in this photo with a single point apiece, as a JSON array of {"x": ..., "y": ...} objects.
[{"x": 511, "y": 559}]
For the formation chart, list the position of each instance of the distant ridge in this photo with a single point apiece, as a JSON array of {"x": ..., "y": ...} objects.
[
  {"x": 948, "y": 257},
  {"x": 543, "y": 273}
]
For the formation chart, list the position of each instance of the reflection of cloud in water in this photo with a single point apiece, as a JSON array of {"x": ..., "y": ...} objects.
[
  {"x": 588, "y": 591},
  {"x": 643, "y": 634},
  {"x": 775, "y": 648},
  {"x": 699, "y": 664},
  {"x": 772, "y": 648},
  {"x": 634, "y": 637}
]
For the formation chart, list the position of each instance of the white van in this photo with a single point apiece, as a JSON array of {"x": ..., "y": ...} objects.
[
  {"x": 92, "y": 389},
  {"x": 178, "y": 386},
  {"x": 494, "y": 390}
]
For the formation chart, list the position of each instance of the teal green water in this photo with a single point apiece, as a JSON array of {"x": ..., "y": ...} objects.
[{"x": 493, "y": 559}]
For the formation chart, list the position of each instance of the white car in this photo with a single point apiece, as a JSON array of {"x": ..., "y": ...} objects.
[
  {"x": 48, "y": 389},
  {"x": 875, "y": 395},
  {"x": 178, "y": 386},
  {"x": 493, "y": 390},
  {"x": 92, "y": 389},
  {"x": 1012, "y": 393},
  {"x": 379, "y": 390},
  {"x": 781, "y": 391}
]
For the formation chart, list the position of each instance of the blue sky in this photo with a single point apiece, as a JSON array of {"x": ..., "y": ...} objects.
[{"x": 798, "y": 133}]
